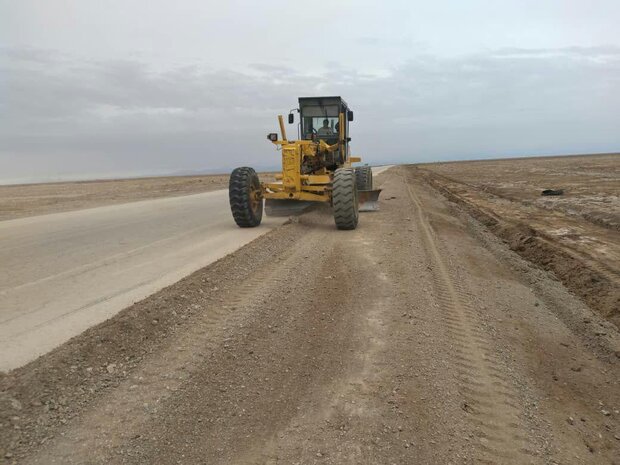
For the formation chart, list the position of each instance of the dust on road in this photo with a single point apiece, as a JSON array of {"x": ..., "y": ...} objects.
[{"x": 417, "y": 338}]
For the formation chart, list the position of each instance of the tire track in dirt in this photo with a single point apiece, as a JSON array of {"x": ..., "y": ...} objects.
[
  {"x": 124, "y": 413},
  {"x": 235, "y": 407},
  {"x": 348, "y": 400},
  {"x": 488, "y": 395}
]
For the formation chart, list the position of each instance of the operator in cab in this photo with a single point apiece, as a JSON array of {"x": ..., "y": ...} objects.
[{"x": 325, "y": 130}]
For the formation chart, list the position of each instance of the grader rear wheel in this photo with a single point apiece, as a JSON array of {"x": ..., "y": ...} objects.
[
  {"x": 245, "y": 196},
  {"x": 344, "y": 199},
  {"x": 363, "y": 178}
]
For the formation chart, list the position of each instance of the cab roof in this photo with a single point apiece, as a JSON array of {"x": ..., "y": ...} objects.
[{"x": 323, "y": 100}]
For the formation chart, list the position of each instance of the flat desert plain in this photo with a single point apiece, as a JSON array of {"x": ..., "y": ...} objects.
[{"x": 21, "y": 200}]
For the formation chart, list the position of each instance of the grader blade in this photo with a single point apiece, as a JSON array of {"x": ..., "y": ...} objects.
[
  {"x": 368, "y": 200},
  {"x": 277, "y": 207}
]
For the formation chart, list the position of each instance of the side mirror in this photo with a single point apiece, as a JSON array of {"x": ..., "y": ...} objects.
[
  {"x": 350, "y": 115},
  {"x": 291, "y": 118}
]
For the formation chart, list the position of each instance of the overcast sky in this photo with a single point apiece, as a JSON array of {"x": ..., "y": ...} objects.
[{"x": 115, "y": 88}]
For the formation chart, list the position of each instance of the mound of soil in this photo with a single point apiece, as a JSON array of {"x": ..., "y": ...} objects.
[{"x": 595, "y": 286}]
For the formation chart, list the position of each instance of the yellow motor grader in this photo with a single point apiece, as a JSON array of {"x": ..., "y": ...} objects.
[{"x": 315, "y": 168}]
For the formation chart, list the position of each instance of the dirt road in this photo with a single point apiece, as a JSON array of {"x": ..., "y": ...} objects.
[{"x": 417, "y": 338}]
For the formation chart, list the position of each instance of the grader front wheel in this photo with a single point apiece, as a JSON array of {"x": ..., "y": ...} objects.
[
  {"x": 344, "y": 199},
  {"x": 245, "y": 196}
]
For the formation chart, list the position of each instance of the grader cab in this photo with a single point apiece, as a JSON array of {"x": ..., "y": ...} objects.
[{"x": 315, "y": 168}]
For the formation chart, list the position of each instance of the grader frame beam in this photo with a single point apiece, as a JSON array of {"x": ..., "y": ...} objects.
[{"x": 297, "y": 186}]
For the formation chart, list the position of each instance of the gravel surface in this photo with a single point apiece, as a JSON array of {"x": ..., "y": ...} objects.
[{"x": 417, "y": 338}]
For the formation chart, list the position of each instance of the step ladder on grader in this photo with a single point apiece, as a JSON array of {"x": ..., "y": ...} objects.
[{"x": 315, "y": 168}]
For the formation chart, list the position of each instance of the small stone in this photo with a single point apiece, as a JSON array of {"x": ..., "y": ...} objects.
[
  {"x": 570, "y": 420},
  {"x": 605, "y": 412},
  {"x": 111, "y": 367}
]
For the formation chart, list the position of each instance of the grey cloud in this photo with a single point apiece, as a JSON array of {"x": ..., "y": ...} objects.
[
  {"x": 68, "y": 115},
  {"x": 269, "y": 69},
  {"x": 592, "y": 52}
]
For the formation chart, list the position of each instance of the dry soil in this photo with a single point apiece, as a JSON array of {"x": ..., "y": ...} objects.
[
  {"x": 17, "y": 201},
  {"x": 417, "y": 338},
  {"x": 575, "y": 235}
]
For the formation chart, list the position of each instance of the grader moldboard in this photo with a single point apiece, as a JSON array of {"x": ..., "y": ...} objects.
[{"x": 315, "y": 168}]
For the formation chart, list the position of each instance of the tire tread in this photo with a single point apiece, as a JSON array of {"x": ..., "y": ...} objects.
[
  {"x": 241, "y": 180},
  {"x": 344, "y": 199}
]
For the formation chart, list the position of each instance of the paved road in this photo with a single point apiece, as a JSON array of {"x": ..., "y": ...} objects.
[{"x": 64, "y": 272}]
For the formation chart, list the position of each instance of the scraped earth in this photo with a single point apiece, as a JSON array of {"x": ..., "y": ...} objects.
[
  {"x": 575, "y": 235},
  {"x": 418, "y": 338}
]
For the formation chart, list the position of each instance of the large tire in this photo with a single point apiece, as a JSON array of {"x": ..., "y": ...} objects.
[
  {"x": 363, "y": 178},
  {"x": 344, "y": 199},
  {"x": 245, "y": 196}
]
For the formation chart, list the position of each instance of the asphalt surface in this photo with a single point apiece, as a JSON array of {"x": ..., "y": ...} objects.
[{"x": 63, "y": 273}]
